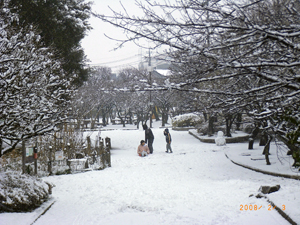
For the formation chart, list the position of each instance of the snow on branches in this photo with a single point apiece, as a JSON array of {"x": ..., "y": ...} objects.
[{"x": 33, "y": 86}]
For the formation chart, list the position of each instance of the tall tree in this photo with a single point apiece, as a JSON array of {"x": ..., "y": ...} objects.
[
  {"x": 33, "y": 86},
  {"x": 61, "y": 25}
]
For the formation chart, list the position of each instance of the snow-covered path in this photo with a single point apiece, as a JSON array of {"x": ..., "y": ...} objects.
[{"x": 196, "y": 184}]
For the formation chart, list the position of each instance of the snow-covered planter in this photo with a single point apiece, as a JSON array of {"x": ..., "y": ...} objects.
[
  {"x": 187, "y": 120},
  {"x": 22, "y": 193}
]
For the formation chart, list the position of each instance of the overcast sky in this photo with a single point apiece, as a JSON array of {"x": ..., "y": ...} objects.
[{"x": 99, "y": 49}]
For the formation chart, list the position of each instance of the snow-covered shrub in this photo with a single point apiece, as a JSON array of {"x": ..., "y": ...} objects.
[
  {"x": 202, "y": 129},
  {"x": 22, "y": 193},
  {"x": 187, "y": 120},
  {"x": 248, "y": 128},
  {"x": 11, "y": 161},
  {"x": 248, "y": 124}
]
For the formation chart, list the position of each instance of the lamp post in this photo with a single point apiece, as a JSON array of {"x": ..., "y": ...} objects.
[{"x": 149, "y": 68}]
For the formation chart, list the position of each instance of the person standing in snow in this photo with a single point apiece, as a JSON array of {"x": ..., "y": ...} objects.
[
  {"x": 143, "y": 149},
  {"x": 168, "y": 140},
  {"x": 149, "y": 137}
]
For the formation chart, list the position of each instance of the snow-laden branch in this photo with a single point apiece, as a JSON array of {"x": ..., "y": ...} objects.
[{"x": 35, "y": 88}]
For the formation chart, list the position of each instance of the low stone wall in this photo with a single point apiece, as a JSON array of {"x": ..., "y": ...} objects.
[
  {"x": 182, "y": 128},
  {"x": 237, "y": 139},
  {"x": 206, "y": 140},
  {"x": 228, "y": 139}
]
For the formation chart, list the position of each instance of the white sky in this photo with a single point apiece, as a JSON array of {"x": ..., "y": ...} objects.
[{"x": 100, "y": 49}]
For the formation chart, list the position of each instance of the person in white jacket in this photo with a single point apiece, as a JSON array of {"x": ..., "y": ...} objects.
[{"x": 143, "y": 149}]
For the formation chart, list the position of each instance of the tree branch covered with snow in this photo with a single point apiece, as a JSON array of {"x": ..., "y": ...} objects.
[
  {"x": 236, "y": 55},
  {"x": 34, "y": 88}
]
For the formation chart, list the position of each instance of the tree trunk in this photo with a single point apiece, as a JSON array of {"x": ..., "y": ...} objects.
[
  {"x": 211, "y": 121},
  {"x": 23, "y": 157},
  {"x": 103, "y": 118},
  {"x": 163, "y": 119},
  {"x": 228, "y": 125},
  {"x": 266, "y": 151},
  {"x": 93, "y": 122},
  {"x": 238, "y": 121},
  {"x": 130, "y": 118},
  {"x": 205, "y": 116},
  {"x": 155, "y": 113},
  {"x": 263, "y": 139},
  {"x": 291, "y": 147},
  {"x": 252, "y": 137},
  {"x": 0, "y": 147}
]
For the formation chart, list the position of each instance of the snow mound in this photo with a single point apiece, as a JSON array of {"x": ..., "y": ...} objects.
[{"x": 22, "y": 193}]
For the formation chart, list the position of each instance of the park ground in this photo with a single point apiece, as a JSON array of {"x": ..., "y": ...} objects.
[{"x": 196, "y": 184}]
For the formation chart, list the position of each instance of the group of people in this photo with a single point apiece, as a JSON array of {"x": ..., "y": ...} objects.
[{"x": 144, "y": 149}]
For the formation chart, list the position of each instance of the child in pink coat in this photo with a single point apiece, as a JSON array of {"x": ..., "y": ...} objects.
[{"x": 143, "y": 149}]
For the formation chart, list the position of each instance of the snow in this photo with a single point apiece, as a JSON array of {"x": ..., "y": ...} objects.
[
  {"x": 19, "y": 191},
  {"x": 196, "y": 184},
  {"x": 164, "y": 72}
]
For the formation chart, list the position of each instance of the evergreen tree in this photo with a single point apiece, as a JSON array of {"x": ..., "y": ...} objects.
[
  {"x": 33, "y": 84},
  {"x": 62, "y": 25}
]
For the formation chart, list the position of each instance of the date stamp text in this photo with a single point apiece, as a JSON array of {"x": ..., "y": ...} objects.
[{"x": 258, "y": 207}]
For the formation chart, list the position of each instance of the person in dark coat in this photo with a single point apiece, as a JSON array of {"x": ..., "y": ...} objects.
[
  {"x": 149, "y": 137},
  {"x": 168, "y": 140}
]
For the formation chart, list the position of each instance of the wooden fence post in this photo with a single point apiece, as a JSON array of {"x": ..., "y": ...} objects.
[
  {"x": 107, "y": 142},
  {"x": 251, "y": 142},
  {"x": 108, "y": 147},
  {"x": 88, "y": 139},
  {"x": 102, "y": 153},
  {"x": 50, "y": 161},
  {"x": 35, "y": 156}
]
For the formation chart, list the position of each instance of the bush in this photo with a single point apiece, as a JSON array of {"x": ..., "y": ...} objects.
[
  {"x": 187, "y": 120},
  {"x": 22, "y": 193},
  {"x": 248, "y": 128}
]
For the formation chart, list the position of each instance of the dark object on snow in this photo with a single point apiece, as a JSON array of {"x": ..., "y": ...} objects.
[
  {"x": 269, "y": 189},
  {"x": 251, "y": 142}
]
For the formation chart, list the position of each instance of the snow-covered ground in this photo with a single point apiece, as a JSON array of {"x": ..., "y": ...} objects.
[{"x": 196, "y": 184}]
